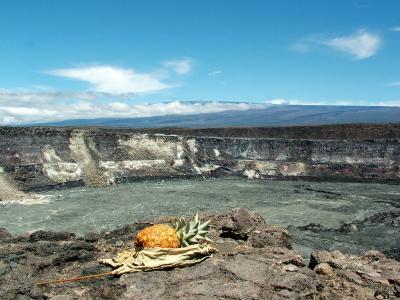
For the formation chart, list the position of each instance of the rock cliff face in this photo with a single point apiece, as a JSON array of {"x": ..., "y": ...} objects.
[
  {"x": 44, "y": 157},
  {"x": 254, "y": 261}
]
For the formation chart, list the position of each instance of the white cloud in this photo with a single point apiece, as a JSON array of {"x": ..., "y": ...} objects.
[
  {"x": 40, "y": 112},
  {"x": 37, "y": 97},
  {"x": 27, "y": 111},
  {"x": 360, "y": 45},
  {"x": 119, "y": 106},
  {"x": 396, "y": 29},
  {"x": 180, "y": 66},
  {"x": 387, "y": 103},
  {"x": 110, "y": 85},
  {"x": 11, "y": 114},
  {"x": 338, "y": 102},
  {"x": 279, "y": 101},
  {"x": 114, "y": 80},
  {"x": 28, "y": 97},
  {"x": 392, "y": 84},
  {"x": 215, "y": 73}
]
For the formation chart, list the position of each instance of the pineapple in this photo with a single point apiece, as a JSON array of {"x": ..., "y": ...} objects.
[
  {"x": 159, "y": 235},
  {"x": 182, "y": 234}
]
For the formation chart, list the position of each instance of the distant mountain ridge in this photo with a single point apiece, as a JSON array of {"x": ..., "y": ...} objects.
[{"x": 274, "y": 115}]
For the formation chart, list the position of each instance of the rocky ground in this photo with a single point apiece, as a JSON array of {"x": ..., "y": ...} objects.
[{"x": 255, "y": 261}]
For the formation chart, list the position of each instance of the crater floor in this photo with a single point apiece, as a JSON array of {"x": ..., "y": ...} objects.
[{"x": 350, "y": 217}]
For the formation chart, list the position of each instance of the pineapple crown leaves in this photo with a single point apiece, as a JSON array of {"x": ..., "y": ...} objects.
[{"x": 192, "y": 232}]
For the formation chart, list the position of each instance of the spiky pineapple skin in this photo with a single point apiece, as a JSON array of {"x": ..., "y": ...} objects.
[{"x": 159, "y": 235}]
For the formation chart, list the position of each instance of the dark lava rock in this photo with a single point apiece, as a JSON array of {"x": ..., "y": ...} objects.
[
  {"x": 238, "y": 226},
  {"x": 95, "y": 269},
  {"x": 242, "y": 225},
  {"x": 397, "y": 290},
  {"x": 15, "y": 258},
  {"x": 44, "y": 248},
  {"x": 312, "y": 227},
  {"x": 393, "y": 253},
  {"x": 50, "y": 236},
  {"x": 91, "y": 237},
  {"x": 272, "y": 236},
  {"x": 348, "y": 228},
  {"x": 4, "y": 268},
  {"x": 319, "y": 257},
  {"x": 255, "y": 261},
  {"x": 79, "y": 245},
  {"x": 365, "y": 277},
  {"x": 4, "y": 234},
  {"x": 71, "y": 256}
]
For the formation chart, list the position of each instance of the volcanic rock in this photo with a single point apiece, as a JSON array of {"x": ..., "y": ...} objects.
[
  {"x": 255, "y": 261},
  {"x": 4, "y": 233}
]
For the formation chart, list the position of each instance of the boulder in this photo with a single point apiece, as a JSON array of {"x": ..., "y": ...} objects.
[{"x": 324, "y": 268}]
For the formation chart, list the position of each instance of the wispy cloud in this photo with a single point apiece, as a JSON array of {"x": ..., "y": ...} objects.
[
  {"x": 39, "y": 97},
  {"x": 397, "y": 29},
  {"x": 113, "y": 80},
  {"x": 180, "y": 66},
  {"x": 215, "y": 73},
  {"x": 307, "y": 44},
  {"x": 360, "y": 45}
]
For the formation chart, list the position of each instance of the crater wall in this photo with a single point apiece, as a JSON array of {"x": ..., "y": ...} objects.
[{"x": 36, "y": 158}]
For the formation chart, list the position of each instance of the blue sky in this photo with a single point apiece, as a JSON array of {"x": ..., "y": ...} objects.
[{"x": 64, "y": 59}]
